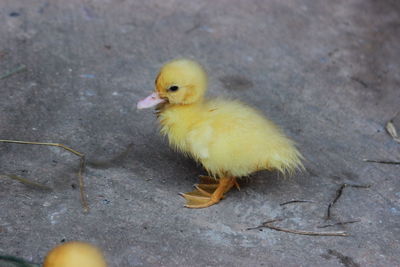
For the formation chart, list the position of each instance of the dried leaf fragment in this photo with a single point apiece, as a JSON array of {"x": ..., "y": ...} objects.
[{"x": 391, "y": 129}]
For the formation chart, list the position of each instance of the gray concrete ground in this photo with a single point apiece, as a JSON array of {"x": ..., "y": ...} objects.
[{"x": 326, "y": 71}]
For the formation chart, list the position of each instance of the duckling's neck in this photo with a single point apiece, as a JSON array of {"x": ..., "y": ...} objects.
[
  {"x": 181, "y": 108},
  {"x": 177, "y": 120},
  {"x": 181, "y": 112}
]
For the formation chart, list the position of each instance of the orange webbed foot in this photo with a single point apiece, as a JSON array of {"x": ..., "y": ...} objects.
[{"x": 209, "y": 192}]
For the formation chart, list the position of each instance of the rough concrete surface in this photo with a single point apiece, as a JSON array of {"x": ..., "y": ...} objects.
[{"x": 326, "y": 71}]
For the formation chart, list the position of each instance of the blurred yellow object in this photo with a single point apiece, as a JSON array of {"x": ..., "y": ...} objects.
[{"x": 75, "y": 254}]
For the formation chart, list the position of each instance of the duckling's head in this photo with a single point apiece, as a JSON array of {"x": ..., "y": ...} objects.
[{"x": 180, "y": 82}]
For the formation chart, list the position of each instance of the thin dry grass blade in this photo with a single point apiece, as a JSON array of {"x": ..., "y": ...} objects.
[
  {"x": 81, "y": 167},
  {"x": 26, "y": 181}
]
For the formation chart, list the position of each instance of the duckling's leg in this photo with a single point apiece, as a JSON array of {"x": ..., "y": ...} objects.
[{"x": 209, "y": 192}]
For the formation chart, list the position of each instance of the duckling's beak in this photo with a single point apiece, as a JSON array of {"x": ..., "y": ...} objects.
[{"x": 150, "y": 101}]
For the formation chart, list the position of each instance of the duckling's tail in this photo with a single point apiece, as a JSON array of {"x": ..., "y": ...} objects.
[{"x": 287, "y": 162}]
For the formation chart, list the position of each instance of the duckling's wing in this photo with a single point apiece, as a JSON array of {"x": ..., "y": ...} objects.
[{"x": 198, "y": 140}]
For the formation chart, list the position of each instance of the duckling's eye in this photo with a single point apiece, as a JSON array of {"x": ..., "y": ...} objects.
[{"x": 173, "y": 88}]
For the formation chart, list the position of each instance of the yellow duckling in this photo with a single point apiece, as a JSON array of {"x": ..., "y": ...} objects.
[
  {"x": 75, "y": 254},
  {"x": 228, "y": 138}
]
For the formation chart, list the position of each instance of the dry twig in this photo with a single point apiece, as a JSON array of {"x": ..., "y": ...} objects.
[
  {"x": 382, "y": 161},
  {"x": 296, "y": 201},
  {"x": 267, "y": 222},
  {"x": 339, "y": 192},
  {"x": 269, "y": 225},
  {"x": 26, "y": 181},
  {"x": 81, "y": 167},
  {"x": 301, "y": 232},
  {"x": 13, "y": 71},
  {"x": 338, "y": 223}
]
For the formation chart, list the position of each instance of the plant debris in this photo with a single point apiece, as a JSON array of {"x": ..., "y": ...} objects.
[
  {"x": 364, "y": 84},
  {"x": 7, "y": 260},
  {"x": 344, "y": 260},
  {"x": 13, "y": 71},
  {"x": 338, "y": 194},
  {"x": 382, "y": 161},
  {"x": 339, "y": 223},
  {"x": 26, "y": 181},
  {"x": 266, "y": 222},
  {"x": 81, "y": 171},
  {"x": 296, "y": 201},
  {"x": 391, "y": 129},
  {"x": 269, "y": 225}
]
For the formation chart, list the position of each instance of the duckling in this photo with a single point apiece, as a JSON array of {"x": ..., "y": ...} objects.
[
  {"x": 75, "y": 254},
  {"x": 230, "y": 139}
]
